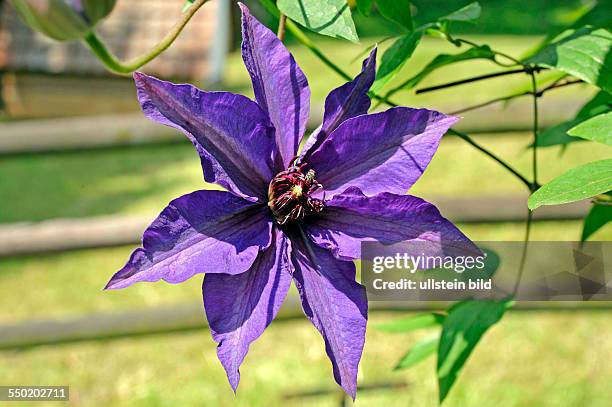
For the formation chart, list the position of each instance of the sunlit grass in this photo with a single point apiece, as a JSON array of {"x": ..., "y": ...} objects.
[{"x": 513, "y": 366}]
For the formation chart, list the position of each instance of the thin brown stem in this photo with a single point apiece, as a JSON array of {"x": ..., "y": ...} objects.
[
  {"x": 517, "y": 283},
  {"x": 535, "y": 132},
  {"x": 501, "y": 54},
  {"x": 282, "y": 23},
  {"x": 560, "y": 84},
  {"x": 539, "y": 93},
  {"x": 534, "y": 184},
  {"x": 487, "y": 103},
  {"x": 477, "y": 78},
  {"x": 504, "y": 164}
]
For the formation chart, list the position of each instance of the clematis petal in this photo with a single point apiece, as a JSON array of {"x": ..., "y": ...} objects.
[
  {"x": 380, "y": 152},
  {"x": 240, "y": 307},
  {"x": 349, "y": 100},
  {"x": 201, "y": 232},
  {"x": 336, "y": 305},
  {"x": 231, "y": 133},
  {"x": 351, "y": 218},
  {"x": 281, "y": 89}
]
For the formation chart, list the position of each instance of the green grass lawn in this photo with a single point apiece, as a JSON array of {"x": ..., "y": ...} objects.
[{"x": 530, "y": 359}]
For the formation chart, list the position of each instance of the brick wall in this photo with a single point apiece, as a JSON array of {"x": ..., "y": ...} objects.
[{"x": 133, "y": 27}]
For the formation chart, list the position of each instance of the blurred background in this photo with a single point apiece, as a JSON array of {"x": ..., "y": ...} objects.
[{"x": 82, "y": 173}]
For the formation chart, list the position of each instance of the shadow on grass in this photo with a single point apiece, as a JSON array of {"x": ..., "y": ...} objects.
[{"x": 89, "y": 183}]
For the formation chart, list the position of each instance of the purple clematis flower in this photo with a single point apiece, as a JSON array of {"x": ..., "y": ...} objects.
[{"x": 287, "y": 217}]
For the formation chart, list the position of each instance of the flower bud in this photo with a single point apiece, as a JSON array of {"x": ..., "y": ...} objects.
[{"x": 63, "y": 20}]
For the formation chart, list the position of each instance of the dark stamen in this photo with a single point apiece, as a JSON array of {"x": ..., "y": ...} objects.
[{"x": 289, "y": 195}]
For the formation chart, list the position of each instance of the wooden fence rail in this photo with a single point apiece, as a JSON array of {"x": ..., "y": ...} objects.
[
  {"x": 111, "y": 130},
  {"x": 190, "y": 317},
  {"x": 113, "y": 230}
]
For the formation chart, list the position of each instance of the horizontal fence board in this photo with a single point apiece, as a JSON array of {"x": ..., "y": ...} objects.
[
  {"x": 81, "y": 133},
  {"x": 68, "y": 234},
  {"x": 118, "y": 129},
  {"x": 190, "y": 317},
  {"x": 116, "y": 230},
  {"x": 510, "y": 208}
]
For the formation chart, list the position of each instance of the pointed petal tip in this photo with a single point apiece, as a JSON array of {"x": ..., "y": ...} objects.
[
  {"x": 112, "y": 285},
  {"x": 139, "y": 77},
  {"x": 350, "y": 389},
  {"x": 245, "y": 10},
  {"x": 370, "y": 61},
  {"x": 234, "y": 380},
  {"x": 452, "y": 120},
  {"x": 142, "y": 80}
]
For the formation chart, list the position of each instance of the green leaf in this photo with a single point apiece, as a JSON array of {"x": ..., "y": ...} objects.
[
  {"x": 56, "y": 19},
  {"x": 328, "y": 17},
  {"x": 411, "y": 323},
  {"x": 583, "y": 53},
  {"x": 576, "y": 184},
  {"x": 556, "y": 135},
  {"x": 491, "y": 262},
  {"x": 598, "y": 128},
  {"x": 465, "y": 324},
  {"x": 598, "y": 16},
  {"x": 468, "y": 13},
  {"x": 96, "y": 10},
  {"x": 395, "y": 57},
  {"x": 364, "y": 6},
  {"x": 601, "y": 103},
  {"x": 397, "y": 11},
  {"x": 480, "y": 52},
  {"x": 598, "y": 217},
  {"x": 419, "y": 352}
]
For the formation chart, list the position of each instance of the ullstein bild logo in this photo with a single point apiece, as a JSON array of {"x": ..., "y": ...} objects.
[{"x": 425, "y": 271}]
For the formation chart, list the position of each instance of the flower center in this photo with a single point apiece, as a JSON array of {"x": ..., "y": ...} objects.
[{"x": 289, "y": 195}]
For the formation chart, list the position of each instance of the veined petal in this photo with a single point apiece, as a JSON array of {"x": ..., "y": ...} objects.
[
  {"x": 201, "y": 232},
  {"x": 351, "y": 218},
  {"x": 380, "y": 152},
  {"x": 349, "y": 100},
  {"x": 240, "y": 307},
  {"x": 281, "y": 89},
  {"x": 335, "y": 304},
  {"x": 231, "y": 133}
]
